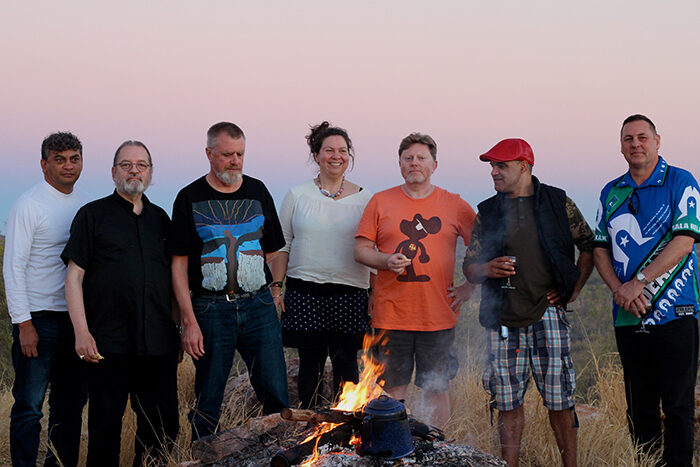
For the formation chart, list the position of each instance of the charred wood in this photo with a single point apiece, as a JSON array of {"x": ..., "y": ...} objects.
[{"x": 339, "y": 436}]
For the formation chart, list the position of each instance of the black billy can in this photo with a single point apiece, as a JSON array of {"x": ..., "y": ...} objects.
[{"x": 385, "y": 431}]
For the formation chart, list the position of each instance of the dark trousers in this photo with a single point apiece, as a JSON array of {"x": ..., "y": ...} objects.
[
  {"x": 58, "y": 365},
  {"x": 312, "y": 363},
  {"x": 661, "y": 366},
  {"x": 151, "y": 382}
]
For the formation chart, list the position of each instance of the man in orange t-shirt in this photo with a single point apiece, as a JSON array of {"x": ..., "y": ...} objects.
[{"x": 409, "y": 234}]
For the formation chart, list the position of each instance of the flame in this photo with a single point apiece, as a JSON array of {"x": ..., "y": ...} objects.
[
  {"x": 314, "y": 456},
  {"x": 354, "y": 396}
]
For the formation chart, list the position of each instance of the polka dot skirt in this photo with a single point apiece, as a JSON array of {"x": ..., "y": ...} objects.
[{"x": 342, "y": 313}]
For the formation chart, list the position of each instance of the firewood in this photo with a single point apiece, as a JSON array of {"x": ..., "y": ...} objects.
[
  {"x": 220, "y": 445},
  {"x": 328, "y": 416}
]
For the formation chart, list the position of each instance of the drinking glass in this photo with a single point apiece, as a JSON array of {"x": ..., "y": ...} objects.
[{"x": 513, "y": 261}]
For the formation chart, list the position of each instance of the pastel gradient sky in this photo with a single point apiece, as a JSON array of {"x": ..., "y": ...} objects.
[{"x": 558, "y": 74}]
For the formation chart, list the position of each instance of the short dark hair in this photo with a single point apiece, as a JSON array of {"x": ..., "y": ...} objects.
[
  {"x": 419, "y": 138},
  {"x": 231, "y": 129},
  {"x": 59, "y": 142},
  {"x": 322, "y": 131},
  {"x": 132, "y": 142},
  {"x": 637, "y": 118}
]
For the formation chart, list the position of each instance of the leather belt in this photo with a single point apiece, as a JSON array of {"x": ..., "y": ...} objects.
[{"x": 230, "y": 297}]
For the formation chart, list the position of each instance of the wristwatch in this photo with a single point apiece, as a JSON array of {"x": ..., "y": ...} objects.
[{"x": 642, "y": 278}]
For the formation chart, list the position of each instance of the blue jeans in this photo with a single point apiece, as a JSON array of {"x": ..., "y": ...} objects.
[
  {"x": 58, "y": 365},
  {"x": 251, "y": 326}
]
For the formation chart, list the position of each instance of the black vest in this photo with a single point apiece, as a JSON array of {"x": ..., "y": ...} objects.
[{"x": 555, "y": 239}]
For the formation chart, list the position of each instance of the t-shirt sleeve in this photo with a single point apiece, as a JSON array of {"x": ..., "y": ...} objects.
[
  {"x": 80, "y": 243},
  {"x": 286, "y": 214},
  {"x": 21, "y": 225},
  {"x": 367, "y": 228},
  {"x": 685, "y": 215},
  {"x": 474, "y": 248},
  {"x": 466, "y": 220},
  {"x": 273, "y": 238},
  {"x": 180, "y": 226},
  {"x": 580, "y": 231},
  {"x": 601, "y": 235}
]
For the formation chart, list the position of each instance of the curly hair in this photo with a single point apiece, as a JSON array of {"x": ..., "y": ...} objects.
[
  {"x": 419, "y": 138},
  {"x": 59, "y": 142},
  {"x": 322, "y": 131}
]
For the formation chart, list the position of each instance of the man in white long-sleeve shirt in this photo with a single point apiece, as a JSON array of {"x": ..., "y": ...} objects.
[{"x": 42, "y": 350}]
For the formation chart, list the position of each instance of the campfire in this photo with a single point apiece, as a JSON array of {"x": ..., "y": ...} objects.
[
  {"x": 353, "y": 396},
  {"x": 364, "y": 424},
  {"x": 365, "y": 428}
]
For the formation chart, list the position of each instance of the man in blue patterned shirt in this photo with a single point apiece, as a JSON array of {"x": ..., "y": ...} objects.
[{"x": 646, "y": 230}]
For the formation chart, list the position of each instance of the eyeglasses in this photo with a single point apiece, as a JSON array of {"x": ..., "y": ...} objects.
[
  {"x": 633, "y": 202},
  {"x": 140, "y": 165}
]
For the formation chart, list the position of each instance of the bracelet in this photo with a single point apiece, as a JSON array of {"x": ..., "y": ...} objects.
[{"x": 276, "y": 284}]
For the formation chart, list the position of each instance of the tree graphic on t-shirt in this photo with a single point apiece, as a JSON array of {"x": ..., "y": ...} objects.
[
  {"x": 416, "y": 229},
  {"x": 232, "y": 257}
]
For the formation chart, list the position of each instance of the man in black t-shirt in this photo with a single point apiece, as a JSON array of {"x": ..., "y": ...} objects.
[
  {"x": 118, "y": 292},
  {"x": 224, "y": 229}
]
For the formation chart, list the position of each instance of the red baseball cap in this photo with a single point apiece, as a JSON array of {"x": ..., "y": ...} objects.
[{"x": 511, "y": 149}]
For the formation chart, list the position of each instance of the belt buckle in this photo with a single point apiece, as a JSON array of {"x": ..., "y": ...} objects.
[{"x": 238, "y": 296}]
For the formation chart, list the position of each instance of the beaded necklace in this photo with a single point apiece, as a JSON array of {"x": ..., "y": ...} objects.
[{"x": 327, "y": 193}]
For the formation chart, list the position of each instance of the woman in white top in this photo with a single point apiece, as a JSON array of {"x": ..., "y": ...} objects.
[{"x": 324, "y": 310}]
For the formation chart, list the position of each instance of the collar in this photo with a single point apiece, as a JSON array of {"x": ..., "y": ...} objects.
[
  {"x": 55, "y": 191},
  {"x": 128, "y": 205},
  {"x": 657, "y": 177}
]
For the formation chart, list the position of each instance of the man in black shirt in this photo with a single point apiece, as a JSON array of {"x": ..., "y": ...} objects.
[
  {"x": 225, "y": 227},
  {"x": 118, "y": 291}
]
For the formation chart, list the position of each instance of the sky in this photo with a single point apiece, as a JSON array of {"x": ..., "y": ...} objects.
[{"x": 560, "y": 75}]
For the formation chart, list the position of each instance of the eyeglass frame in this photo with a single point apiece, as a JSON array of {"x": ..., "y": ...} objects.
[{"x": 141, "y": 166}]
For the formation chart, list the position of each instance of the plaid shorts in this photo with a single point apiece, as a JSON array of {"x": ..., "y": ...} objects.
[{"x": 544, "y": 347}]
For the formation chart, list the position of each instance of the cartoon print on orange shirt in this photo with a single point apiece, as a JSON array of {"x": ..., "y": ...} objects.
[{"x": 416, "y": 230}]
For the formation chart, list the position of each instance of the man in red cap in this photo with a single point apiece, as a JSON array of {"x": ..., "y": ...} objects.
[{"x": 535, "y": 226}]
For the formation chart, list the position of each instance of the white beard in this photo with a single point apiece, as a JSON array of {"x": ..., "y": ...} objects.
[
  {"x": 228, "y": 178},
  {"x": 131, "y": 188}
]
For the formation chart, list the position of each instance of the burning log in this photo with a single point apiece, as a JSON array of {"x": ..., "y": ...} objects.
[
  {"x": 317, "y": 416},
  {"x": 339, "y": 435},
  {"x": 418, "y": 428}
]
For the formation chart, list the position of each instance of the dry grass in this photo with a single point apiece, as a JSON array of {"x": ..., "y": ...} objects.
[
  {"x": 603, "y": 439},
  {"x": 230, "y": 417}
]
